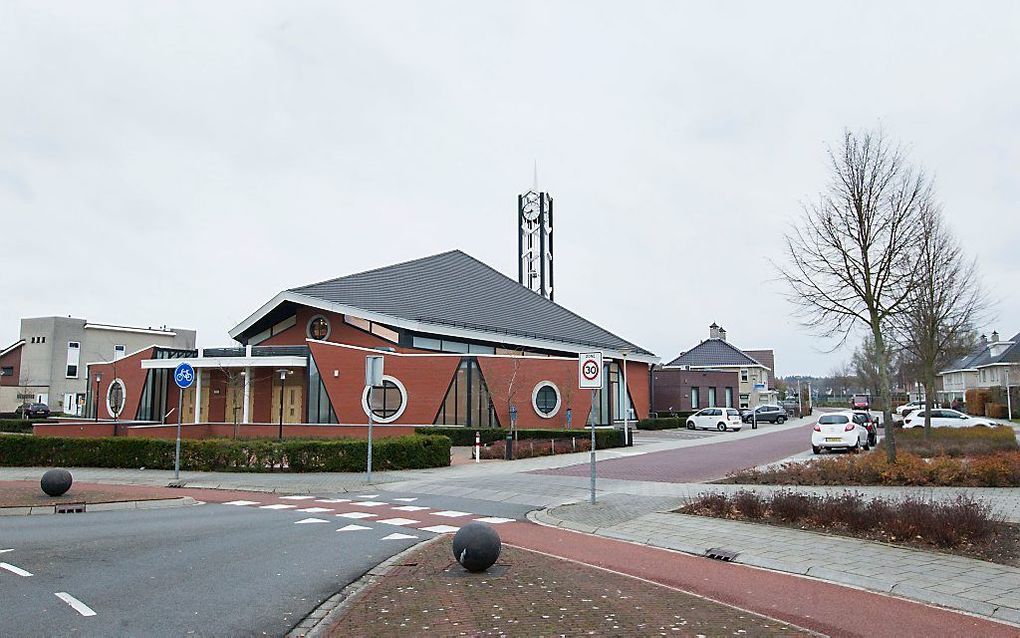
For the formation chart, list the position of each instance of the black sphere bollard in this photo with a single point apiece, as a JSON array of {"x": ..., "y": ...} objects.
[
  {"x": 476, "y": 546},
  {"x": 56, "y": 482}
]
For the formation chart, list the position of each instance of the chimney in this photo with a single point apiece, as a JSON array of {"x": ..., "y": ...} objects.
[
  {"x": 984, "y": 341},
  {"x": 995, "y": 336},
  {"x": 722, "y": 333},
  {"x": 715, "y": 332}
]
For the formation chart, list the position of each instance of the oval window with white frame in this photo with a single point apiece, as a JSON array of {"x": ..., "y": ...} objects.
[
  {"x": 545, "y": 398},
  {"x": 318, "y": 328},
  {"x": 389, "y": 400},
  {"x": 115, "y": 396}
]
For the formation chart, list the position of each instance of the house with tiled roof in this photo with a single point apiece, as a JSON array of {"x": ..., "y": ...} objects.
[{"x": 993, "y": 363}]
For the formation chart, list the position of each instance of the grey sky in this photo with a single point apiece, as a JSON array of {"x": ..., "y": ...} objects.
[{"x": 181, "y": 163}]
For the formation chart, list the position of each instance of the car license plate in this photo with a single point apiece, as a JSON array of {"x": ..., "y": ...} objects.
[{"x": 832, "y": 439}]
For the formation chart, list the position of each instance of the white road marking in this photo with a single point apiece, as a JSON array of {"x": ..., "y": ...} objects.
[
  {"x": 75, "y": 604},
  {"x": 356, "y": 515},
  {"x": 494, "y": 519},
  {"x": 296, "y": 498},
  {"x": 241, "y": 503},
  {"x": 372, "y": 503},
  {"x": 333, "y": 500},
  {"x": 277, "y": 506},
  {"x": 366, "y": 496},
  {"x": 398, "y": 521},
  {"x": 440, "y": 529},
  {"x": 409, "y": 499},
  {"x": 310, "y": 520},
  {"x": 397, "y": 537},
  {"x": 352, "y": 528},
  {"x": 452, "y": 513},
  {"x": 410, "y": 508},
  {"x": 314, "y": 510},
  {"x": 14, "y": 570}
]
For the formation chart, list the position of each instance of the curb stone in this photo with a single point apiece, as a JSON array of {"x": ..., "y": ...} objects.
[
  {"x": 162, "y": 503},
  {"x": 322, "y": 617},
  {"x": 876, "y": 585}
]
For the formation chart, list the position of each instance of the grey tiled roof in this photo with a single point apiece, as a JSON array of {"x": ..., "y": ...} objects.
[
  {"x": 454, "y": 289},
  {"x": 982, "y": 356},
  {"x": 714, "y": 352}
]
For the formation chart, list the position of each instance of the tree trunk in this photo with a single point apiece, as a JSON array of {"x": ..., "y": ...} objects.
[
  {"x": 886, "y": 391},
  {"x": 929, "y": 403}
]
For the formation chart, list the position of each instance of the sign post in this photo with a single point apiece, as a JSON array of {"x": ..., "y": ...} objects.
[
  {"x": 184, "y": 377},
  {"x": 373, "y": 378},
  {"x": 589, "y": 377}
]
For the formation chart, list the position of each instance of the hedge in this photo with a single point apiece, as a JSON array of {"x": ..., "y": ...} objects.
[
  {"x": 337, "y": 455},
  {"x": 605, "y": 438},
  {"x": 661, "y": 423},
  {"x": 17, "y": 425}
]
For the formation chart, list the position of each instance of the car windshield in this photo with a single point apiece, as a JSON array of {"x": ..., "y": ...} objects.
[{"x": 833, "y": 419}]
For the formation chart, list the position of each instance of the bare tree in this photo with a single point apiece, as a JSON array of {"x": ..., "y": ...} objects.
[
  {"x": 944, "y": 304},
  {"x": 512, "y": 387},
  {"x": 850, "y": 263}
]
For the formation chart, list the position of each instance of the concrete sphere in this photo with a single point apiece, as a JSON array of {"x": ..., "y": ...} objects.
[
  {"x": 476, "y": 546},
  {"x": 56, "y": 482}
]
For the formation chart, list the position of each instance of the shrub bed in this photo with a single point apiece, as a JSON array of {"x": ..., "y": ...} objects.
[
  {"x": 529, "y": 448},
  {"x": 337, "y": 455},
  {"x": 962, "y": 523},
  {"x": 17, "y": 425},
  {"x": 661, "y": 423},
  {"x": 466, "y": 436},
  {"x": 1001, "y": 469},
  {"x": 954, "y": 441}
]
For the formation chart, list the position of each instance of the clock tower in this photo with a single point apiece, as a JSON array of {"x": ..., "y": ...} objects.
[{"x": 535, "y": 241}]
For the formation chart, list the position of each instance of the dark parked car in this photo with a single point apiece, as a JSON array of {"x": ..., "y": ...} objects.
[
  {"x": 766, "y": 414},
  {"x": 870, "y": 424},
  {"x": 32, "y": 411}
]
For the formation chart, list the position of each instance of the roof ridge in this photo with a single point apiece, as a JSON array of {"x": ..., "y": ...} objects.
[{"x": 378, "y": 269}]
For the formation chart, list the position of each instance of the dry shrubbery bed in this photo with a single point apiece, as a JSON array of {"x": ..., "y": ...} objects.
[
  {"x": 966, "y": 457},
  {"x": 526, "y": 449},
  {"x": 964, "y": 525}
]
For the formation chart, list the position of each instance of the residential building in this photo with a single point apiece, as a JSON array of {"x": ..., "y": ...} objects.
[
  {"x": 754, "y": 379},
  {"x": 676, "y": 390},
  {"x": 993, "y": 363},
  {"x": 462, "y": 345},
  {"x": 54, "y": 352}
]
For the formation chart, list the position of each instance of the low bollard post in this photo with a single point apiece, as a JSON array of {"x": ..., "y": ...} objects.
[{"x": 478, "y": 447}]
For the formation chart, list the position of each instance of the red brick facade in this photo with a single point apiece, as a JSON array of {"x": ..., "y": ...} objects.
[
  {"x": 12, "y": 360},
  {"x": 673, "y": 389}
]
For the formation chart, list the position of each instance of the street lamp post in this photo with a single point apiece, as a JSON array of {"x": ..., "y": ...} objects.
[
  {"x": 95, "y": 398},
  {"x": 1009, "y": 400},
  {"x": 283, "y": 380},
  {"x": 626, "y": 403}
]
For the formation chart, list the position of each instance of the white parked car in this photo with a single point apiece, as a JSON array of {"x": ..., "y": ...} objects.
[
  {"x": 902, "y": 411},
  {"x": 839, "y": 430},
  {"x": 721, "y": 419},
  {"x": 943, "y": 418}
]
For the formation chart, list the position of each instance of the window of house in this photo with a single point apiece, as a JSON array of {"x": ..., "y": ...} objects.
[
  {"x": 7, "y": 371},
  {"x": 467, "y": 401},
  {"x": 694, "y": 398},
  {"x": 115, "y": 398},
  {"x": 729, "y": 397},
  {"x": 711, "y": 397},
  {"x": 118, "y": 352},
  {"x": 318, "y": 328},
  {"x": 73, "y": 358},
  {"x": 743, "y": 375},
  {"x": 545, "y": 398},
  {"x": 388, "y": 400}
]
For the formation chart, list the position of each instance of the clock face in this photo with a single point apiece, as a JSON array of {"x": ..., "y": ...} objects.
[{"x": 531, "y": 212}]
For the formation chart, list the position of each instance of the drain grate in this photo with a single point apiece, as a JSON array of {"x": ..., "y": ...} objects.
[
  {"x": 719, "y": 553},
  {"x": 77, "y": 508}
]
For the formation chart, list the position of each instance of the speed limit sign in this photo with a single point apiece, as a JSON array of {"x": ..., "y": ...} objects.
[{"x": 589, "y": 371}]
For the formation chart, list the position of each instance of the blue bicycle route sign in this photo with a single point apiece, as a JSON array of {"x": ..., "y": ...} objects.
[{"x": 184, "y": 375}]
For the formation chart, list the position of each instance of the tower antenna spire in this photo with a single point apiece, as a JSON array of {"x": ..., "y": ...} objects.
[{"x": 534, "y": 186}]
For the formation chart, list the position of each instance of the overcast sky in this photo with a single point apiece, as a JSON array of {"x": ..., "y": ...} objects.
[{"x": 181, "y": 163}]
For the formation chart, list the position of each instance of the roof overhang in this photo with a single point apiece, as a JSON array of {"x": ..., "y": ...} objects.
[
  {"x": 11, "y": 348},
  {"x": 682, "y": 366},
  {"x": 423, "y": 326},
  {"x": 227, "y": 362},
  {"x": 144, "y": 331}
]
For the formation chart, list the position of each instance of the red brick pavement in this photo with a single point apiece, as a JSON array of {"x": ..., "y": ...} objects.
[{"x": 713, "y": 460}]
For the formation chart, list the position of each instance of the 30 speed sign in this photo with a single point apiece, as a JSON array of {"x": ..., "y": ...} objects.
[{"x": 589, "y": 371}]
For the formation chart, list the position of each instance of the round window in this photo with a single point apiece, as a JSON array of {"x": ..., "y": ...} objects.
[
  {"x": 546, "y": 399},
  {"x": 387, "y": 402},
  {"x": 318, "y": 328},
  {"x": 115, "y": 398}
]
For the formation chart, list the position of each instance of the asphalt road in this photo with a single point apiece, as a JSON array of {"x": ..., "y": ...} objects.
[
  {"x": 207, "y": 570},
  {"x": 703, "y": 462}
]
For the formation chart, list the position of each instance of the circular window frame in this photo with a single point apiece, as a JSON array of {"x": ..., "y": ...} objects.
[
  {"x": 396, "y": 415},
  {"x": 534, "y": 399},
  {"x": 308, "y": 327},
  {"x": 123, "y": 392}
]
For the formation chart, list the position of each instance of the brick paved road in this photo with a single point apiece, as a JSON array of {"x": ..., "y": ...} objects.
[{"x": 699, "y": 463}]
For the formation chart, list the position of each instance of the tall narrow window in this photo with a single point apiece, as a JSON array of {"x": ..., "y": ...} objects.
[
  {"x": 695, "y": 398},
  {"x": 729, "y": 397},
  {"x": 73, "y": 357},
  {"x": 711, "y": 397},
  {"x": 467, "y": 400}
]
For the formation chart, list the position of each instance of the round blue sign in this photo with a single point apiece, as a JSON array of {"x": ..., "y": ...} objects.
[{"x": 184, "y": 375}]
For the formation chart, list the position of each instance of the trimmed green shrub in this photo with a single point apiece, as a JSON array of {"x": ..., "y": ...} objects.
[
  {"x": 605, "y": 438},
  {"x": 666, "y": 423},
  {"x": 17, "y": 425},
  {"x": 258, "y": 455}
]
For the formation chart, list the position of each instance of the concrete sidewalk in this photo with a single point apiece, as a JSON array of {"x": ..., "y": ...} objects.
[{"x": 967, "y": 584}]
